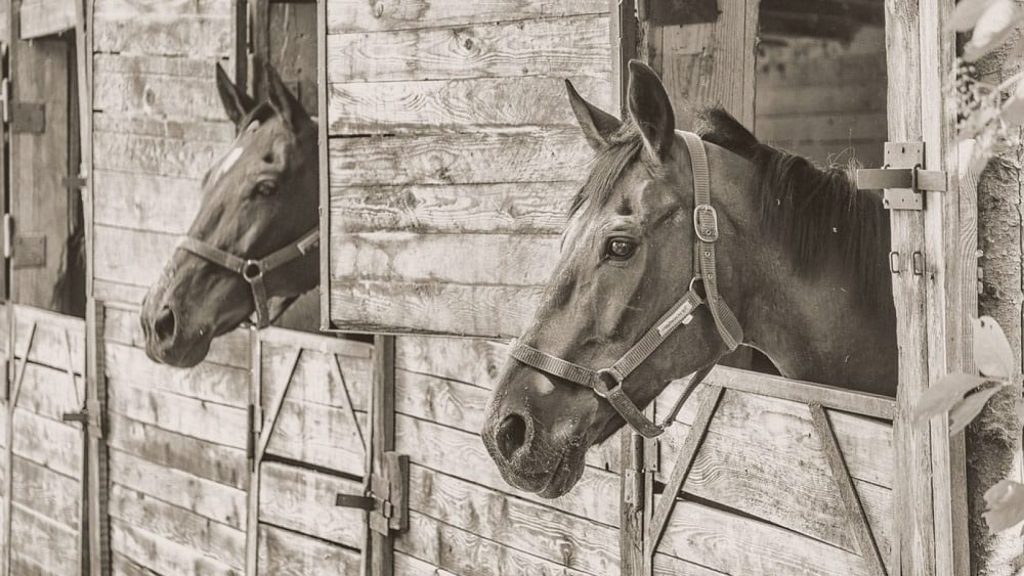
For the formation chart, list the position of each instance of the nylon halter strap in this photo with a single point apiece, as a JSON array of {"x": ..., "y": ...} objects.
[
  {"x": 607, "y": 383},
  {"x": 254, "y": 270}
]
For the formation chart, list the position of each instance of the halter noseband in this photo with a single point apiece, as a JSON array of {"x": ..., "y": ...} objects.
[
  {"x": 253, "y": 270},
  {"x": 607, "y": 383}
]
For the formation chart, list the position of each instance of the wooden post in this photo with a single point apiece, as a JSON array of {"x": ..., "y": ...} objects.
[
  {"x": 324, "y": 167},
  {"x": 382, "y": 561},
  {"x": 932, "y": 312}
]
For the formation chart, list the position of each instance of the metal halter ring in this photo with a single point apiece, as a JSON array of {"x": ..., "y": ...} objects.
[
  {"x": 705, "y": 232},
  {"x": 252, "y": 270},
  {"x": 606, "y": 382}
]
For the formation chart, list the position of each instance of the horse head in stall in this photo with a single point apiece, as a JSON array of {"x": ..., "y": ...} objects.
[
  {"x": 679, "y": 248},
  {"x": 255, "y": 236}
]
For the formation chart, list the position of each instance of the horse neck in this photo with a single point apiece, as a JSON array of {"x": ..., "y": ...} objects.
[{"x": 826, "y": 328}]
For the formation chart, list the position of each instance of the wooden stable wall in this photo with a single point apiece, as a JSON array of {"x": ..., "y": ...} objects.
[
  {"x": 824, "y": 98},
  {"x": 453, "y": 155}
]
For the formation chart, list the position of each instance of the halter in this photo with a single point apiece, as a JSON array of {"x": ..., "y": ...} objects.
[
  {"x": 253, "y": 270},
  {"x": 607, "y": 383}
]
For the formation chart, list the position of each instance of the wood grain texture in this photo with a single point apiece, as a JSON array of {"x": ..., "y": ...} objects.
[
  {"x": 528, "y": 155},
  {"x": 216, "y": 541},
  {"x": 521, "y": 208},
  {"x": 734, "y": 544},
  {"x": 206, "y": 382},
  {"x": 160, "y": 148},
  {"x": 464, "y": 105},
  {"x": 525, "y": 526},
  {"x": 132, "y": 256},
  {"x": 54, "y": 334},
  {"x": 200, "y": 29},
  {"x": 54, "y": 496},
  {"x": 286, "y": 553},
  {"x": 206, "y": 498},
  {"x": 122, "y": 326},
  {"x": 207, "y": 421},
  {"x": 563, "y": 47},
  {"x": 301, "y": 500},
  {"x": 48, "y": 443},
  {"x": 459, "y": 552},
  {"x": 46, "y": 17},
  {"x": 49, "y": 392},
  {"x": 446, "y": 449},
  {"x": 406, "y": 565},
  {"x": 49, "y": 546},
  {"x": 161, "y": 555},
  {"x": 355, "y": 16}
]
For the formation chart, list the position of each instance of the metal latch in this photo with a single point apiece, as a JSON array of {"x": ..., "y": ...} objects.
[
  {"x": 388, "y": 497},
  {"x": 27, "y": 117},
  {"x": 88, "y": 417},
  {"x": 902, "y": 178}
]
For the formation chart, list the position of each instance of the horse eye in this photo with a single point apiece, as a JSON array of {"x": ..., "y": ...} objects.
[
  {"x": 621, "y": 248},
  {"x": 265, "y": 188}
]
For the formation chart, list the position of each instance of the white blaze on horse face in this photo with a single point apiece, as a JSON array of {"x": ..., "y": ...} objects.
[{"x": 229, "y": 160}]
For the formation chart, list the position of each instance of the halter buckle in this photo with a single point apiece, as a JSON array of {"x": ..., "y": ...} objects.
[
  {"x": 252, "y": 270},
  {"x": 705, "y": 223},
  {"x": 606, "y": 382}
]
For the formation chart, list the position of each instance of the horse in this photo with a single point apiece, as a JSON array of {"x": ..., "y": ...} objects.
[
  {"x": 679, "y": 248},
  {"x": 253, "y": 243}
]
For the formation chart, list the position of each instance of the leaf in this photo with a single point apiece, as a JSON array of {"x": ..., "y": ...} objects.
[
  {"x": 963, "y": 413},
  {"x": 992, "y": 352},
  {"x": 1013, "y": 109},
  {"x": 943, "y": 395},
  {"x": 1005, "y": 503},
  {"x": 967, "y": 13},
  {"x": 996, "y": 23}
]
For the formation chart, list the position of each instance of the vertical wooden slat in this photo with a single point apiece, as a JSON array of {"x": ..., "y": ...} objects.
[
  {"x": 382, "y": 561},
  {"x": 12, "y": 404},
  {"x": 98, "y": 455},
  {"x": 931, "y": 309},
  {"x": 252, "y": 532},
  {"x": 324, "y": 165}
]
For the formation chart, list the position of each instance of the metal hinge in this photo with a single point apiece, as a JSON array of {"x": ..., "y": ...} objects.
[
  {"x": 902, "y": 178},
  {"x": 5, "y": 100},
  {"x": 388, "y": 497},
  {"x": 255, "y": 414}
]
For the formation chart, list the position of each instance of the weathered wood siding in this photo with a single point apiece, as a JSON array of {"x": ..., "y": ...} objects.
[
  {"x": 44, "y": 456},
  {"x": 464, "y": 518},
  {"x": 824, "y": 99},
  {"x": 761, "y": 497},
  {"x": 45, "y": 17},
  {"x": 453, "y": 155}
]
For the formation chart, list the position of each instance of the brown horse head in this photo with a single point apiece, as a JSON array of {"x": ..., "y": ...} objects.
[
  {"x": 800, "y": 261},
  {"x": 260, "y": 197}
]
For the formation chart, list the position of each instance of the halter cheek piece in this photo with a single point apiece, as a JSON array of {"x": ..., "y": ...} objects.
[
  {"x": 254, "y": 270},
  {"x": 607, "y": 383}
]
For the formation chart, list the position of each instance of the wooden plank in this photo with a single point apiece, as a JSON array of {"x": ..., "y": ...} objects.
[
  {"x": 460, "y": 552},
  {"x": 320, "y": 436},
  {"x": 733, "y": 544},
  {"x": 132, "y": 256},
  {"x": 522, "y": 208},
  {"x": 286, "y": 553},
  {"x": 292, "y": 49},
  {"x": 406, "y": 565},
  {"x": 194, "y": 533},
  {"x": 161, "y": 555},
  {"x": 527, "y": 155},
  {"x": 206, "y": 498},
  {"x": 47, "y": 443},
  {"x": 54, "y": 496},
  {"x": 46, "y": 17},
  {"x": 455, "y": 452},
  {"x": 146, "y": 202},
  {"x": 49, "y": 545},
  {"x": 857, "y": 519},
  {"x": 399, "y": 256},
  {"x": 206, "y": 382},
  {"x": 48, "y": 392},
  {"x": 137, "y": 32},
  {"x": 156, "y": 86},
  {"x": 323, "y": 168},
  {"x": 384, "y": 438},
  {"x": 160, "y": 152},
  {"x": 301, "y": 500},
  {"x": 828, "y": 127},
  {"x": 53, "y": 335},
  {"x": 214, "y": 462},
  {"x": 562, "y": 47},
  {"x": 354, "y": 16},
  {"x": 356, "y": 354},
  {"x": 531, "y": 528},
  {"x": 122, "y": 326},
  {"x": 215, "y": 423},
  {"x": 475, "y": 104},
  {"x": 784, "y": 427},
  {"x": 315, "y": 380},
  {"x": 118, "y": 293},
  {"x": 469, "y": 360},
  {"x": 485, "y": 311},
  {"x": 121, "y": 565},
  {"x": 665, "y": 565}
]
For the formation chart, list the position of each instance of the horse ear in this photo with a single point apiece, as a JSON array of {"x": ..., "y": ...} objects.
[
  {"x": 597, "y": 125},
  {"x": 282, "y": 99},
  {"x": 651, "y": 109},
  {"x": 236, "y": 102}
]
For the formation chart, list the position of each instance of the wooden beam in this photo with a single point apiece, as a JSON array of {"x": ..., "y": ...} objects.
[{"x": 383, "y": 418}]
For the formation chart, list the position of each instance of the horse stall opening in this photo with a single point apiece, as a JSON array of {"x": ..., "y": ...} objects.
[
  {"x": 231, "y": 467},
  {"x": 449, "y": 156}
]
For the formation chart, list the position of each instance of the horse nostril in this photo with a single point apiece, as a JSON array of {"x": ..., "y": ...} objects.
[
  {"x": 163, "y": 326},
  {"x": 511, "y": 435}
]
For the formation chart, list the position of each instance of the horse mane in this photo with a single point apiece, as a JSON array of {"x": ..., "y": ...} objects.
[{"x": 817, "y": 214}]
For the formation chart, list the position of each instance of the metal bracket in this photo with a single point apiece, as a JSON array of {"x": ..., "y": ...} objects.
[
  {"x": 28, "y": 117},
  {"x": 388, "y": 498},
  {"x": 76, "y": 182},
  {"x": 677, "y": 12},
  {"x": 29, "y": 251},
  {"x": 90, "y": 417},
  {"x": 902, "y": 178}
]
